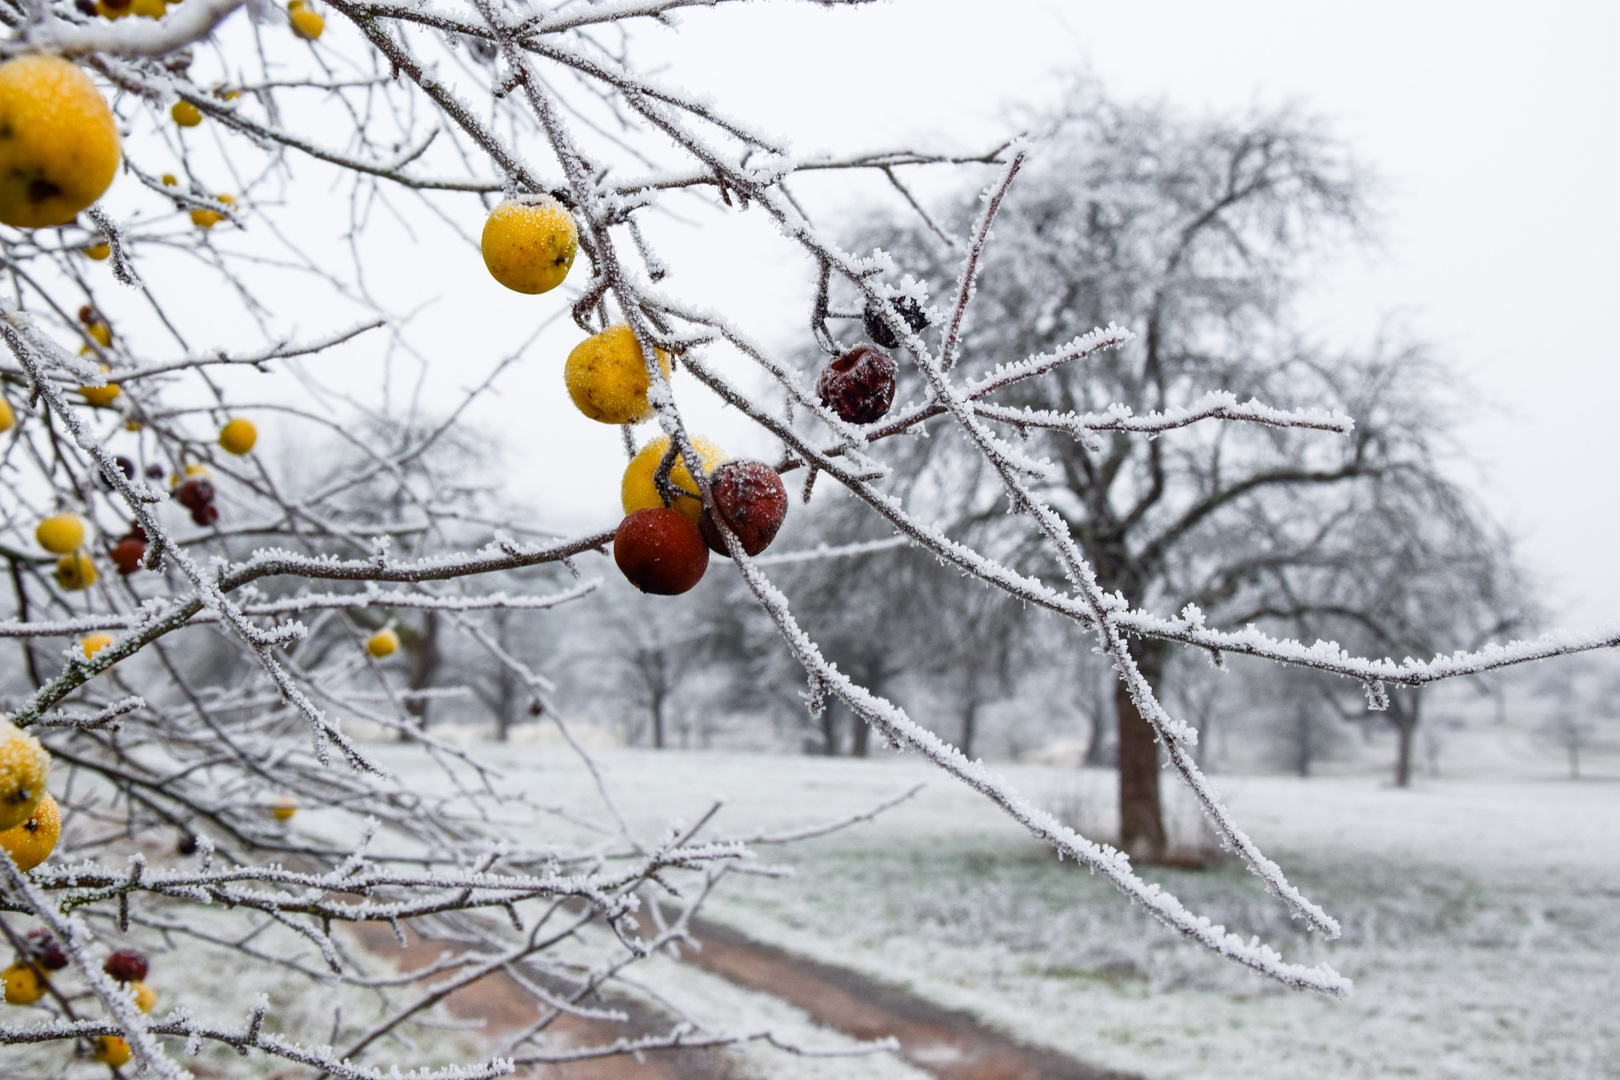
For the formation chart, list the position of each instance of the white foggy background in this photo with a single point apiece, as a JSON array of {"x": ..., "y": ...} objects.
[{"x": 1491, "y": 128}]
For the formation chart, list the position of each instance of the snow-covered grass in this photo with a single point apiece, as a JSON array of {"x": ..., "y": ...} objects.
[{"x": 1481, "y": 922}]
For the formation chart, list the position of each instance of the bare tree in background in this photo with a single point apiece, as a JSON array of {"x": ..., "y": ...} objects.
[
  {"x": 404, "y": 114},
  {"x": 1200, "y": 233},
  {"x": 1578, "y": 697}
]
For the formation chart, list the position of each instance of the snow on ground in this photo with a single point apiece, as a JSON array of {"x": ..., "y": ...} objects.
[{"x": 1481, "y": 917}]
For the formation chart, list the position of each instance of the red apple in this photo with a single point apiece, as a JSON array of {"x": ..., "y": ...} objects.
[{"x": 660, "y": 551}]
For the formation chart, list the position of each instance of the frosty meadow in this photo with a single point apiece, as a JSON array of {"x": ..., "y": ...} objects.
[{"x": 219, "y": 554}]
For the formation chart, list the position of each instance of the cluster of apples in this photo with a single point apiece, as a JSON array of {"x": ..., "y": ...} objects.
[
  {"x": 30, "y": 826},
  {"x": 662, "y": 546},
  {"x": 64, "y": 534},
  {"x": 27, "y": 980}
]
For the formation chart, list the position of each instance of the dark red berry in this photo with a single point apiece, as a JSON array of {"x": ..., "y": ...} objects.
[
  {"x": 154, "y": 472},
  {"x": 859, "y": 386},
  {"x": 186, "y": 845},
  {"x": 126, "y": 965},
  {"x": 128, "y": 553},
  {"x": 660, "y": 551},
  {"x": 907, "y": 308},
  {"x": 87, "y": 315},
  {"x": 45, "y": 950},
  {"x": 205, "y": 515},
  {"x": 752, "y": 501},
  {"x": 194, "y": 493}
]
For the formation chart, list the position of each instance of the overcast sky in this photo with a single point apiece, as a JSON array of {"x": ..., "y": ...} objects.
[{"x": 1492, "y": 126}]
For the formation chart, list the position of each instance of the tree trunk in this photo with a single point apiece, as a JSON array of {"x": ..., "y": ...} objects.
[
  {"x": 1303, "y": 732},
  {"x": 1405, "y": 719},
  {"x": 860, "y": 736},
  {"x": 425, "y": 664},
  {"x": 829, "y": 729},
  {"x": 970, "y": 725},
  {"x": 1141, "y": 824}
]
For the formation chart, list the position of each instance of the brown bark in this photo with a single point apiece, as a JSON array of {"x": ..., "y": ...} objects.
[{"x": 1141, "y": 825}]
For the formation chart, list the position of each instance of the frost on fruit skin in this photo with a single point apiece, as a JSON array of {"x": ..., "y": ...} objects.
[
  {"x": 24, "y": 767},
  {"x": 529, "y": 245},
  {"x": 752, "y": 501},
  {"x": 660, "y": 551},
  {"x": 30, "y": 843},
  {"x": 639, "y": 489},
  {"x": 59, "y": 147},
  {"x": 382, "y": 643},
  {"x": 607, "y": 379},
  {"x": 904, "y": 306},
  {"x": 859, "y": 385}
]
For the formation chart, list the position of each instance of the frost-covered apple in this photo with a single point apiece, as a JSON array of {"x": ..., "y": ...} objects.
[
  {"x": 660, "y": 551},
  {"x": 859, "y": 385},
  {"x": 752, "y": 501}
]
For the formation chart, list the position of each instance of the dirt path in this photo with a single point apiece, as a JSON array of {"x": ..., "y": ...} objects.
[
  {"x": 949, "y": 1045},
  {"x": 504, "y": 1007}
]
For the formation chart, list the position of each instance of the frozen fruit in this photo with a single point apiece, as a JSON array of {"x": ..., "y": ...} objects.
[
  {"x": 382, "y": 643},
  {"x": 128, "y": 553},
  {"x": 45, "y": 950},
  {"x": 59, "y": 145},
  {"x": 7, "y": 417},
  {"x": 284, "y": 808},
  {"x": 186, "y": 114},
  {"x": 204, "y": 218},
  {"x": 145, "y": 996},
  {"x": 660, "y": 551},
  {"x": 24, "y": 767},
  {"x": 112, "y": 1050},
  {"x": 94, "y": 643},
  {"x": 238, "y": 436},
  {"x": 30, "y": 843},
  {"x": 752, "y": 501},
  {"x": 126, "y": 965},
  {"x": 529, "y": 244},
  {"x": 305, "y": 23},
  {"x": 859, "y": 385},
  {"x": 23, "y": 984},
  {"x": 101, "y": 396},
  {"x": 76, "y": 571},
  {"x": 639, "y": 488},
  {"x": 197, "y": 495},
  {"x": 607, "y": 378},
  {"x": 60, "y": 533},
  {"x": 904, "y": 306}
]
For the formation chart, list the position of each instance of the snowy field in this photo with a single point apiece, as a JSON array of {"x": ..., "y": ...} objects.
[{"x": 1482, "y": 917}]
